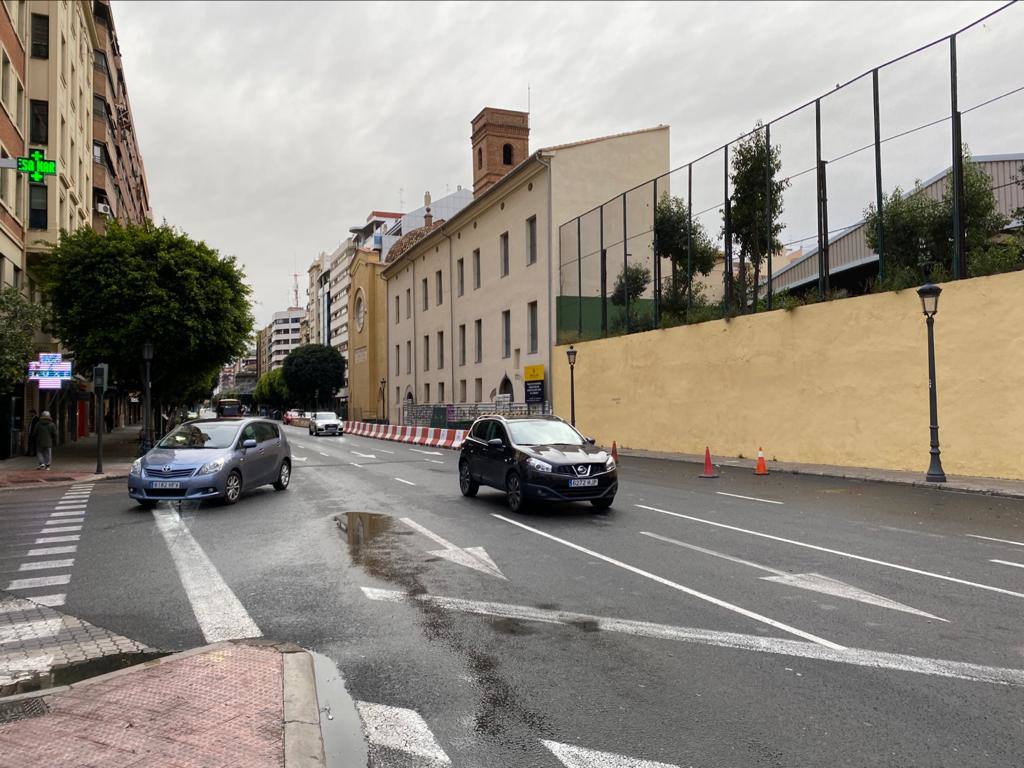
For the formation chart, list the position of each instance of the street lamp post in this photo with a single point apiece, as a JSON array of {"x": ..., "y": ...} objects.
[
  {"x": 147, "y": 356},
  {"x": 929, "y": 294},
  {"x": 383, "y": 404},
  {"x": 571, "y": 354}
]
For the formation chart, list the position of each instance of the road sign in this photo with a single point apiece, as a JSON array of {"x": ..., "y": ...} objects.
[
  {"x": 36, "y": 166},
  {"x": 533, "y": 373},
  {"x": 533, "y": 377},
  {"x": 99, "y": 378}
]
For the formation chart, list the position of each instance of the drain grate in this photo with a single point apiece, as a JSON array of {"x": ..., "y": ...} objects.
[{"x": 13, "y": 711}]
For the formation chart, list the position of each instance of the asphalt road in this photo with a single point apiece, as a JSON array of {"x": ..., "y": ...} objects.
[{"x": 743, "y": 621}]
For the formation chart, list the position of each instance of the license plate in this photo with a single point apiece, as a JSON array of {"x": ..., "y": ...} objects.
[
  {"x": 586, "y": 483},
  {"x": 165, "y": 484}
]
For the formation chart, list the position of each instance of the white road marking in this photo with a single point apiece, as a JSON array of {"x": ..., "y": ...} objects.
[
  {"x": 428, "y": 453},
  {"x": 43, "y": 565},
  {"x": 813, "y": 582},
  {"x": 72, "y": 505},
  {"x": 65, "y": 520},
  {"x": 39, "y": 581},
  {"x": 53, "y": 601},
  {"x": 63, "y": 529},
  {"x": 220, "y": 614},
  {"x": 56, "y": 539},
  {"x": 674, "y": 585},
  {"x": 838, "y": 552},
  {"x": 572, "y": 756},
  {"x": 471, "y": 557},
  {"x": 300, "y": 458},
  {"x": 434, "y": 461},
  {"x": 354, "y": 464},
  {"x": 774, "y": 645},
  {"x": 404, "y": 481},
  {"x": 51, "y": 551},
  {"x": 323, "y": 454},
  {"x": 1008, "y": 562},
  {"x": 365, "y": 455},
  {"x": 382, "y": 450},
  {"x": 401, "y": 730},
  {"x": 1002, "y": 541},
  {"x": 748, "y": 498},
  {"x": 66, "y": 514}
]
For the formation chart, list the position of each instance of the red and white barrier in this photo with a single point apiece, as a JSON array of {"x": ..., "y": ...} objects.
[{"x": 431, "y": 437}]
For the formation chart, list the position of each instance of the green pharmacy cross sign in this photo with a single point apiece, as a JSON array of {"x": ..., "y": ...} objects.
[{"x": 36, "y": 166}]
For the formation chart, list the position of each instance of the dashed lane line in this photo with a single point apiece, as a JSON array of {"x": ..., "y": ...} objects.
[
  {"x": 748, "y": 498},
  {"x": 1001, "y": 541},
  {"x": 1008, "y": 562},
  {"x": 404, "y": 481}
]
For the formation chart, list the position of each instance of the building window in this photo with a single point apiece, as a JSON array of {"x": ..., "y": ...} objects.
[
  {"x": 478, "y": 326},
  {"x": 478, "y": 390},
  {"x": 97, "y": 152},
  {"x": 40, "y": 36},
  {"x": 531, "y": 321},
  {"x": 398, "y": 396},
  {"x": 19, "y": 107},
  {"x": 426, "y": 296},
  {"x": 426, "y": 393},
  {"x": 440, "y": 287},
  {"x": 37, "y": 218},
  {"x": 462, "y": 390},
  {"x": 503, "y": 253},
  {"x": 440, "y": 392},
  {"x": 5, "y": 83},
  {"x": 398, "y": 359},
  {"x": 479, "y": 157},
  {"x": 426, "y": 353},
  {"x": 398, "y": 310},
  {"x": 460, "y": 274},
  {"x": 506, "y": 154},
  {"x": 99, "y": 108},
  {"x": 462, "y": 344},
  {"x": 408, "y": 357},
  {"x": 63, "y": 58},
  {"x": 506, "y": 333},
  {"x": 440, "y": 350},
  {"x": 531, "y": 240},
  {"x": 476, "y": 269},
  {"x": 408, "y": 303}
]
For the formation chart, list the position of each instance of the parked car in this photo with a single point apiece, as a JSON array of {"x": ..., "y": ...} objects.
[
  {"x": 290, "y": 416},
  {"x": 212, "y": 458},
  {"x": 536, "y": 458},
  {"x": 325, "y": 423}
]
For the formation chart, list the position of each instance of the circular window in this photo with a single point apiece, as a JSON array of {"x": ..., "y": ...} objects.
[{"x": 360, "y": 310}]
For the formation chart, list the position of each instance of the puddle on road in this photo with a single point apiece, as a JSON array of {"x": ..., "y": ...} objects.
[
  {"x": 340, "y": 726},
  {"x": 75, "y": 673}
]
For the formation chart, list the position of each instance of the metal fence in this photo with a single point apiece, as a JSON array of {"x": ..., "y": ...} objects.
[
  {"x": 461, "y": 415},
  {"x": 837, "y": 157}
]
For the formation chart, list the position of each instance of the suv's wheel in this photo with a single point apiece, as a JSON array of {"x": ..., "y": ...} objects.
[
  {"x": 604, "y": 503},
  {"x": 233, "y": 487},
  {"x": 284, "y": 476},
  {"x": 467, "y": 484},
  {"x": 311, "y": 429},
  {"x": 514, "y": 492}
]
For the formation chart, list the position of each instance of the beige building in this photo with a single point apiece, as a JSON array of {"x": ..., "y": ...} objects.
[
  {"x": 471, "y": 299},
  {"x": 279, "y": 337},
  {"x": 367, "y": 337},
  {"x": 318, "y": 299}
]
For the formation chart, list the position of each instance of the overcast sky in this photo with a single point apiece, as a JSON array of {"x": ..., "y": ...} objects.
[{"x": 268, "y": 129}]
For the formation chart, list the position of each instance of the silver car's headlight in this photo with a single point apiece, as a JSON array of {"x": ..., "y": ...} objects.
[
  {"x": 136, "y": 470},
  {"x": 211, "y": 467},
  {"x": 609, "y": 465},
  {"x": 540, "y": 466}
]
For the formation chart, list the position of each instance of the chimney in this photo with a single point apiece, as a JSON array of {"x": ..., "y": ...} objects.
[
  {"x": 428, "y": 217},
  {"x": 500, "y": 141}
]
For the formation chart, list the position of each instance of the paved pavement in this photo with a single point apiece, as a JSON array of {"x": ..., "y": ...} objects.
[
  {"x": 75, "y": 461},
  {"x": 778, "y": 621}
]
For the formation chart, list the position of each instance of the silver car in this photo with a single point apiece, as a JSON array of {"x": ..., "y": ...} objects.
[
  {"x": 325, "y": 423},
  {"x": 212, "y": 458}
]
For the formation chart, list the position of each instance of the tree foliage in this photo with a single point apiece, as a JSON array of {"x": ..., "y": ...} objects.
[
  {"x": 19, "y": 320},
  {"x": 313, "y": 373},
  {"x": 674, "y": 237},
  {"x": 113, "y": 292},
  {"x": 271, "y": 389}
]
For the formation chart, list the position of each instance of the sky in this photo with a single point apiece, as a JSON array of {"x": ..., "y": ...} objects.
[{"x": 268, "y": 129}]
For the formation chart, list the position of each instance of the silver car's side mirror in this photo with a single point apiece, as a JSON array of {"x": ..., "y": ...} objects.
[{"x": 248, "y": 444}]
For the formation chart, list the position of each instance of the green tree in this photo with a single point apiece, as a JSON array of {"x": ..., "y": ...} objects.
[
  {"x": 271, "y": 389},
  {"x": 630, "y": 285},
  {"x": 19, "y": 320},
  {"x": 671, "y": 230},
  {"x": 113, "y": 292},
  {"x": 313, "y": 372},
  {"x": 755, "y": 166}
]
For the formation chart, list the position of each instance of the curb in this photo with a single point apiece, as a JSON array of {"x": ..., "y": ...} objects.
[{"x": 90, "y": 477}]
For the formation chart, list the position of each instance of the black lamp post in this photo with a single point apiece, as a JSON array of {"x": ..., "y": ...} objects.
[
  {"x": 571, "y": 354},
  {"x": 147, "y": 355},
  {"x": 929, "y": 294},
  {"x": 383, "y": 404}
]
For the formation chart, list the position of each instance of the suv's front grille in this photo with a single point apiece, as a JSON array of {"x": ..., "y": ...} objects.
[
  {"x": 165, "y": 474},
  {"x": 593, "y": 468}
]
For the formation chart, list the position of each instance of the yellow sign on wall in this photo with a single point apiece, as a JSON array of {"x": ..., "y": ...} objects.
[{"x": 533, "y": 373}]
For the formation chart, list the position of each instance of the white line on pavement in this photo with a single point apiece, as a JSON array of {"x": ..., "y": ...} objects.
[
  {"x": 53, "y": 601},
  {"x": 72, "y": 505},
  {"x": 404, "y": 481},
  {"x": 428, "y": 453},
  {"x": 56, "y": 539},
  {"x": 65, "y": 520},
  {"x": 572, "y": 756},
  {"x": 434, "y": 461},
  {"x": 220, "y": 614},
  {"x": 775, "y": 645},
  {"x": 382, "y": 450},
  {"x": 354, "y": 464},
  {"x": 675, "y": 585},
  {"x": 44, "y": 565},
  {"x": 1008, "y": 562},
  {"x": 323, "y": 454},
  {"x": 51, "y": 551},
  {"x": 838, "y": 552},
  {"x": 401, "y": 730},
  {"x": 365, "y": 455},
  {"x": 39, "y": 581},
  {"x": 1002, "y": 541},
  {"x": 748, "y": 498},
  {"x": 63, "y": 529},
  {"x": 66, "y": 514}
]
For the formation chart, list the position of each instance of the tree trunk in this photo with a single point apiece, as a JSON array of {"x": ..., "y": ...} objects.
[{"x": 757, "y": 282}]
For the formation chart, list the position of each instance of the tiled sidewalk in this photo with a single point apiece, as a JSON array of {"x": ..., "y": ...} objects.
[{"x": 75, "y": 461}]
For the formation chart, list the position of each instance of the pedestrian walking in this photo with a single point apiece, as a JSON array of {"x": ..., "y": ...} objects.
[
  {"x": 109, "y": 418},
  {"x": 32, "y": 433},
  {"x": 45, "y": 433}
]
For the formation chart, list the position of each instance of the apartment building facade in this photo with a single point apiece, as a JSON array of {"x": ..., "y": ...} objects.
[
  {"x": 13, "y": 127},
  {"x": 279, "y": 337},
  {"x": 470, "y": 299}
]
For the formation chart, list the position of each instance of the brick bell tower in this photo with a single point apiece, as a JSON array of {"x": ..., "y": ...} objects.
[{"x": 501, "y": 140}]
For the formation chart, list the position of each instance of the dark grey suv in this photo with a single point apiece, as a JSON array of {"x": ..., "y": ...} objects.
[{"x": 536, "y": 458}]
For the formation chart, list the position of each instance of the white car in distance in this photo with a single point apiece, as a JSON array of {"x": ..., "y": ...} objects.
[{"x": 325, "y": 423}]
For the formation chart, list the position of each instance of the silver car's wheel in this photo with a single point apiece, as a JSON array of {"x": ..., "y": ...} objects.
[
  {"x": 284, "y": 476},
  {"x": 232, "y": 487}
]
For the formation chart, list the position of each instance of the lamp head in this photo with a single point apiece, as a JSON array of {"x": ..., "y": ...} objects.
[
  {"x": 929, "y": 293},
  {"x": 571, "y": 354}
]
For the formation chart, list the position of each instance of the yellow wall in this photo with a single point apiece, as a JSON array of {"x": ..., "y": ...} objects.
[{"x": 841, "y": 383}]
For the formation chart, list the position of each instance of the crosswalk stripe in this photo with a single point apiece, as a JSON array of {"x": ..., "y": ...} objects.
[
  {"x": 64, "y": 521},
  {"x": 56, "y": 539},
  {"x": 401, "y": 730},
  {"x": 52, "y": 601},
  {"x": 579, "y": 757},
  {"x": 65, "y": 514},
  {"x": 39, "y": 552},
  {"x": 39, "y": 581},
  {"x": 44, "y": 565}
]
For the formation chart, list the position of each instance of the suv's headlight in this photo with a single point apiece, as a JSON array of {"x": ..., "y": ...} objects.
[
  {"x": 609, "y": 465},
  {"x": 211, "y": 467},
  {"x": 540, "y": 466},
  {"x": 136, "y": 469}
]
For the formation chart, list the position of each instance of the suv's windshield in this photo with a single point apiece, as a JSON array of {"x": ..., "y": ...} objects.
[
  {"x": 324, "y": 415},
  {"x": 205, "y": 435},
  {"x": 543, "y": 433}
]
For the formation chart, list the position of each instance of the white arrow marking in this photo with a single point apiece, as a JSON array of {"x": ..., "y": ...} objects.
[
  {"x": 580, "y": 757},
  {"x": 810, "y": 581},
  {"x": 428, "y": 453},
  {"x": 471, "y": 557},
  {"x": 365, "y": 455}
]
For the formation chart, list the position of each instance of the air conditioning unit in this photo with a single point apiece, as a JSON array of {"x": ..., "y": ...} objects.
[{"x": 103, "y": 208}]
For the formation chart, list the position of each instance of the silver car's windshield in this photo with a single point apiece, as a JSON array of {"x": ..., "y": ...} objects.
[
  {"x": 543, "y": 433},
  {"x": 325, "y": 416},
  {"x": 201, "y": 436}
]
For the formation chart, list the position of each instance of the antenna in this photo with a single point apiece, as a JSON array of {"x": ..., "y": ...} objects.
[
  {"x": 295, "y": 283},
  {"x": 527, "y": 98},
  {"x": 401, "y": 198}
]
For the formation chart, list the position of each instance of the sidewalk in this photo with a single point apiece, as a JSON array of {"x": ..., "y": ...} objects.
[
  {"x": 75, "y": 461},
  {"x": 990, "y": 486},
  {"x": 246, "y": 703}
]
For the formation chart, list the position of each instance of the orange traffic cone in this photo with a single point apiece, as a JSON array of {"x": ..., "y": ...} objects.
[
  {"x": 615, "y": 452},
  {"x": 709, "y": 470},
  {"x": 762, "y": 468}
]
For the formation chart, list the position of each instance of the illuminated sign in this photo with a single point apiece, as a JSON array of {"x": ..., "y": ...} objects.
[
  {"x": 49, "y": 371},
  {"x": 37, "y": 166}
]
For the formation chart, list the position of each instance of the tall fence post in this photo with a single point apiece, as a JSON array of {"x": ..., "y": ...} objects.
[
  {"x": 689, "y": 239},
  {"x": 822, "y": 234},
  {"x": 825, "y": 261},
  {"x": 579, "y": 277},
  {"x": 604, "y": 274},
  {"x": 625, "y": 265},
  {"x": 769, "y": 240},
  {"x": 957, "y": 169},
  {"x": 879, "y": 229},
  {"x": 657, "y": 258},
  {"x": 728, "y": 234}
]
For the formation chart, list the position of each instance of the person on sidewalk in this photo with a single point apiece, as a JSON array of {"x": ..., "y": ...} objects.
[
  {"x": 45, "y": 434},
  {"x": 32, "y": 433},
  {"x": 109, "y": 418}
]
